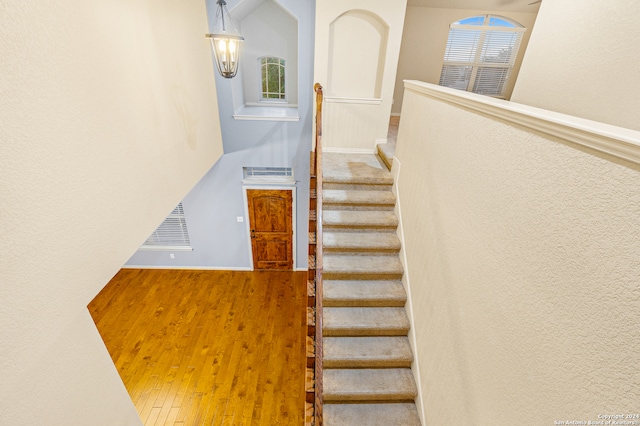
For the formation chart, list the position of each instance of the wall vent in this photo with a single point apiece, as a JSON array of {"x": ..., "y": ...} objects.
[{"x": 267, "y": 174}]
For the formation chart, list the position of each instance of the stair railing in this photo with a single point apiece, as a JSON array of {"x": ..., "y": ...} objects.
[{"x": 313, "y": 415}]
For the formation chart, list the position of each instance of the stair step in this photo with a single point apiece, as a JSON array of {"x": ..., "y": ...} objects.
[
  {"x": 366, "y": 352},
  {"x": 356, "y": 186},
  {"x": 381, "y": 414},
  {"x": 386, "y": 151},
  {"x": 377, "y": 384},
  {"x": 354, "y": 168},
  {"x": 380, "y": 267},
  {"x": 363, "y": 293},
  {"x": 358, "y": 220},
  {"x": 340, "y": 198},
  {"x": 381, "y": 242},
  {"x": 341, "y": 321}
]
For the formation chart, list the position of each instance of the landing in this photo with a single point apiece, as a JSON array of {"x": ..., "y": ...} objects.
[{"x": 350, "y": 168}]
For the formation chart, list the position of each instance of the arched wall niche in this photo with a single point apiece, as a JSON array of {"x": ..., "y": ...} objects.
[
  {"x": 269, "y": 29},
  {"x": 357, "y": 51}
]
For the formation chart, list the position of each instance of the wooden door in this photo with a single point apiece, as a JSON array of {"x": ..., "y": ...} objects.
[{"x": 270, "y": 222}]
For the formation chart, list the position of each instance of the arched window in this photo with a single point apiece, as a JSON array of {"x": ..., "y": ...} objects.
[
  {"x": 480, "y": 54},
  {"x": 272, "y": 70}
]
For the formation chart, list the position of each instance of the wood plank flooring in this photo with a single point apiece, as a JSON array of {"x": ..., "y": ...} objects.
[{"x": 208, "y": 347}]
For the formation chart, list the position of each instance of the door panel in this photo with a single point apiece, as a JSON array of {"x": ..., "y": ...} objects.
[{"x": 270, "y": 221}]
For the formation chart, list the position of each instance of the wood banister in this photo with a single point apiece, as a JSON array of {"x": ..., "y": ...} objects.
[
  {"x": 318, "y": 369},
  {"x": 314, "y": 329}
]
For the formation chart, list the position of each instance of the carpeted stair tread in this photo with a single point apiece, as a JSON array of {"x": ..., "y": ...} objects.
[
  {"x": 362, "y": 242},
  {"x": 341, "y": 266},
  {"x": 378, "y": 384},
  {"x": 366, "y": 352},
  {"x": 358, "y": 219},
  {"x": 367, "y": 356},
  {"x": 381, "y": 414},
  {"x": 354, "y": 168},
  {"x": 364, "y": 321},
  {"x": 333, "y": 198},
  {"x": 363, "y": 293}
]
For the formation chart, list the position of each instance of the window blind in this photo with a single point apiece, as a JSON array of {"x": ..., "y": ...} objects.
[
  {"x": 172, "y": 233},
  {"x": 479, "y": 57}
]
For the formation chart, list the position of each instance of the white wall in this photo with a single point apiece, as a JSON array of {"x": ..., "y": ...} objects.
[
  {"x": 522, "y": 258},
  {"x": 357, "y": 48},
  {"x": 351, "y": 123},
  {"x": 424, "y": 40},
  {"x": 109, "y": 117},
  {"x": 583, "y": 60}
]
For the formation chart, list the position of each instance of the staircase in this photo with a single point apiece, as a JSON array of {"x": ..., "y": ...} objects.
[{"x": 366, "y": 376}]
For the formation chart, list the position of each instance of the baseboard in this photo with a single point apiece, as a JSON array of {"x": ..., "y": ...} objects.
[
  {"x": 395, "y": 172},
  {"x": 200, "y": 268},
  {"x": 195, "y": 268},
  {"x": 395, "y": 114},
  {"x": 349, "y": 150}
]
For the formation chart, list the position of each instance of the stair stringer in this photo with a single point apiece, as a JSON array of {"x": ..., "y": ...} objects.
[{"x": 406, "y": 282}]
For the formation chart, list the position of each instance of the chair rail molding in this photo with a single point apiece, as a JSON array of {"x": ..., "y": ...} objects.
[{"x": 617, "y": 141}]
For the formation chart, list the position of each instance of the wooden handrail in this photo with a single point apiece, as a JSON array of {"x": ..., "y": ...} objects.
[
  {"x": 319, "y": 98},
  {"x": 318, "y": 169}
]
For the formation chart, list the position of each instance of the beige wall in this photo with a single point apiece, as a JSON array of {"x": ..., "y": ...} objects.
[
  {"x": 522, "y": 262},
  {"x": 352, "y": 123},
  {"x": 424, "y": 40},
  {"x": 583, "y": 60},
  {"x": 109, "y": 117}
]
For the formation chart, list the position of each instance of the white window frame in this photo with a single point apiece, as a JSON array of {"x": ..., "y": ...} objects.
[
  {"x": 171, "y": 234},
  {"x": 282, "y": 71},
  {"x": 479, "y": 43}
]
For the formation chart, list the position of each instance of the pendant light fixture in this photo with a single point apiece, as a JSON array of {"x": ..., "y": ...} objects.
[{"x": 225, "y": 41}]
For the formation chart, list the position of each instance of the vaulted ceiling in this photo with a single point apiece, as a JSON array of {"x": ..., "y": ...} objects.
[{"x": 497, "y": 5}]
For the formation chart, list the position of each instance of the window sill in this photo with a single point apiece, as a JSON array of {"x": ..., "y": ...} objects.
[
  {"x": 273, "y": 112},
  {"x": 165, "y": 248}
]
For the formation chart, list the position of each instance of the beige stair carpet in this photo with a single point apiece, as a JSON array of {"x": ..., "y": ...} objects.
[{"x": 367, "y": 377}]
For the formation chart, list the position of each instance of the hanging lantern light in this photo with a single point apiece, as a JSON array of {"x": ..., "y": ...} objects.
[{"x": 225, "y": 41}]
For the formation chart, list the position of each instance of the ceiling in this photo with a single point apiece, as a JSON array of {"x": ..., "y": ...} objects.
[{"x": 489, "y": 5}]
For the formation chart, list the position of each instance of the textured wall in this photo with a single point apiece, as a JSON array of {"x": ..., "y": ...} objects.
[
  {"x": 582, "y": 60},
  {"x": 350, "y": 124},
  {"x": 424, "y": 40},
  {"x": 108, "y": 115},
  {"x": 214, "y": 203},
  {"x": 523, "y": 265}
]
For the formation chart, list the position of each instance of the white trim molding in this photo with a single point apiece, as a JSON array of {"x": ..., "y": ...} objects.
[
  {"x": 613, "y": 140},
  {"x": 189, "y": 268},
  {"x": 406, "y": 282},
  {"x": 349, "y": 150},
  {"x": 266, "y": 113},
  {"x": 165, "y": 248},
  {"x": 366, "y": 101}
]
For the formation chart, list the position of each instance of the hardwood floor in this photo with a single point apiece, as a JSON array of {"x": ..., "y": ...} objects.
[{"x": 208, "y": 347}]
